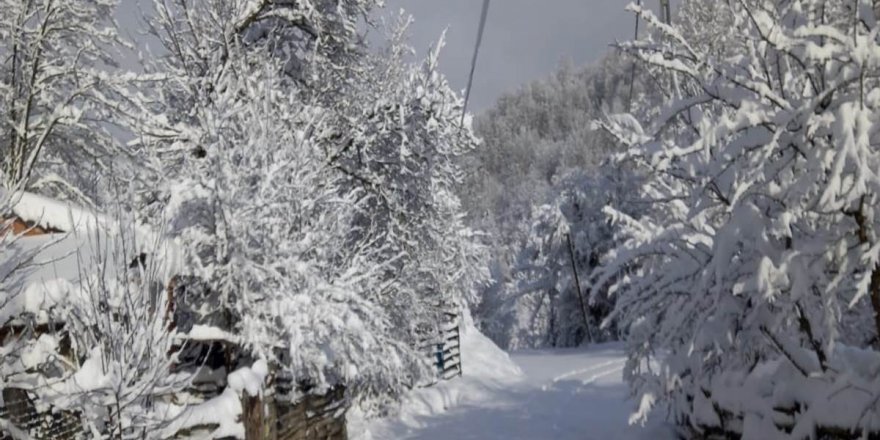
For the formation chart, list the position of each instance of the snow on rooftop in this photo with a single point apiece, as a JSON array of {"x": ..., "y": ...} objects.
[
  {"x": 53, "y": 214},
  {"x": 37, "y": 272}
]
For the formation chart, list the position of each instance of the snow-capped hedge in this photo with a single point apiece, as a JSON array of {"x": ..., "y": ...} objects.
[{"x": 753, "y": 276}]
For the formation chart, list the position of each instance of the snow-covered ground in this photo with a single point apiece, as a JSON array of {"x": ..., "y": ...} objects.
[{"x": 547, "y": 394}]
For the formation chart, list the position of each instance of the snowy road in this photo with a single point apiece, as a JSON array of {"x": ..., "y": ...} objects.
[{"x": 562, "y": 394}]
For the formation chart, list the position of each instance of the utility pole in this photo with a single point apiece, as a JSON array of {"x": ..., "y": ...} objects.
[
  {"x": 577, "y": 285},
  {"x": 665, "y": 14},
  {"x": 632, "y": 71},
  {"x": 666, "y": 17}
]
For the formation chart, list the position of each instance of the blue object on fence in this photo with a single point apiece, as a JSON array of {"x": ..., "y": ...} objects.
[{"x": 439, "y": 355}]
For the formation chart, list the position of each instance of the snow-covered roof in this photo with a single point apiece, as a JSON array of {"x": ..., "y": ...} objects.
[
  {"x": 37, "y": 272},
  {"x": 52, "y": 214}
]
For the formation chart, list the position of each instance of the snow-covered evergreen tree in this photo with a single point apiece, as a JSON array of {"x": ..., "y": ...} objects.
[
  {"x": 538, "y": 178},
  {"x": 547, "y": 302},
  {"x": 753, "y": 275}
]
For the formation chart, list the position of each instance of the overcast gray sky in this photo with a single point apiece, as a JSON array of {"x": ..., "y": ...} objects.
[{"x": 524, "y": 39}]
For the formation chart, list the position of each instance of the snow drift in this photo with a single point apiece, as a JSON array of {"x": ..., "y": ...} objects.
[{"x": 485, "y": 368}]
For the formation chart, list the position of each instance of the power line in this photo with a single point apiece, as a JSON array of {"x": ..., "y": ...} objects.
[{"x": 483, "y": 14}]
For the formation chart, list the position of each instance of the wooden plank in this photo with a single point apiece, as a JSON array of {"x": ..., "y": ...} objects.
[
  {"x": 452, "y": 356},
  {"x": 314, "y": 417},
  {"x": 252, "y": 417},
  {"x": 451, "y": 351}
]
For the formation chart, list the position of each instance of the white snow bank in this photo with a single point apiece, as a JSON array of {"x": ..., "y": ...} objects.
[
  {"x": 482, "y": 358},
  {"x": 485, "y": 369}
]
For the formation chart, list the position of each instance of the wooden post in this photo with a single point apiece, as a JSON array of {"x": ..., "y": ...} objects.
[
  {"x": 259, "y": 414},
  {"x": 252, "y": 417},
  {"x": 270, "y": 417},
  {"x": 665, "y": 13},
  {"x": 632, "y": 72}
]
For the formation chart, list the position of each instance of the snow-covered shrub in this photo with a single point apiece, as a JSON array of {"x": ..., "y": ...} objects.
[
  {"x": 92, "y": 342},
  {"x": 753, "y": 273}
]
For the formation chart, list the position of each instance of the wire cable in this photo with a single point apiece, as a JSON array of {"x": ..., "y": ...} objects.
[{"x": 483, "y": 14}]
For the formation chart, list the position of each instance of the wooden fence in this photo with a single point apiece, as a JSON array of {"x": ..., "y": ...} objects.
[
  {"x": 309, "y": 417},
  {"x": 445, "y": 347},
  {"x": 289, "y": 410},
  {"x": 313, "y": 417},
  {"x": 271, "y": 416},
  {"x": 20, "y": 419},
  {"x": 276, "y": 415}
]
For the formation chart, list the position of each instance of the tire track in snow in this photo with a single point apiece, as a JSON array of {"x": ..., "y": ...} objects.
[
  {"x": 600, "y": 370},
  {"x": 591, "y": 368},
  {"x": 601, "y": 374}
]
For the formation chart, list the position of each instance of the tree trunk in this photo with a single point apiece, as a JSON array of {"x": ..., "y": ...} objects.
[
  {"x": 864, "y": 234},
  {"x": 875, "y": 301}
]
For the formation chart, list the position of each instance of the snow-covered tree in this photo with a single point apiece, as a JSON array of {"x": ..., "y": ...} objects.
[
  {"x": 271, "y": 236},
  {"x": 54, "y": 98},
  {"x": 547, "y": 300},
  {"x": 540, "y": 155},
  {"x": 536, "y": 136},
  {"x": 320, "y": 212},
  {"x": 753, "y": 274},
  {"x": 398, "y": 139}
]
